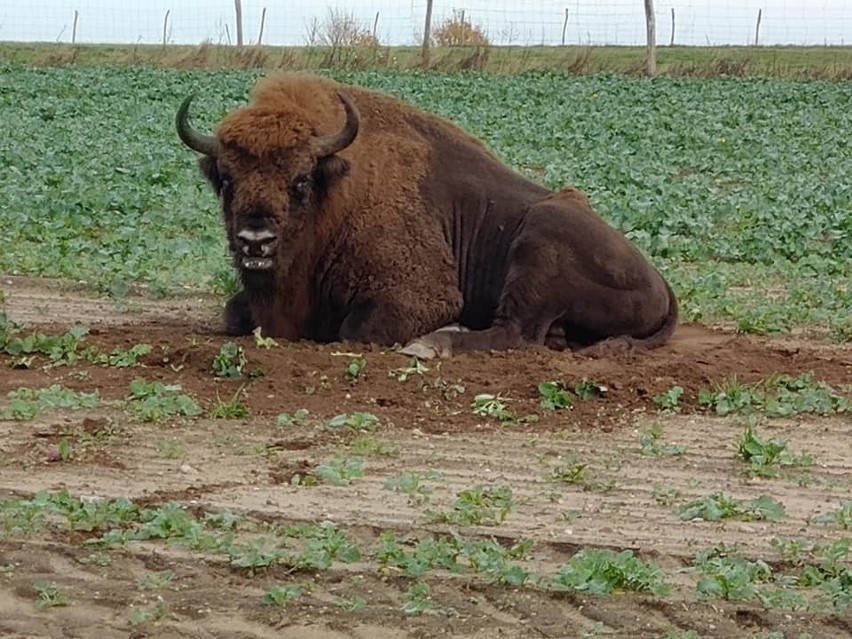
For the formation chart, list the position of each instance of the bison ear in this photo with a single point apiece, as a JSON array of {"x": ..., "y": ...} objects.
[
  {"x": 210, "y": 171},
  {"x": 329, "y": 170}
]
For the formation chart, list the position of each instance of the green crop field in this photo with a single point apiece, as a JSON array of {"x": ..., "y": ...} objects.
[{"x": 738, "y": 189}]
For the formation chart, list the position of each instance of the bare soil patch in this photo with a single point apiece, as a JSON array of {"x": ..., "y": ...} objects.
[{"x": 248, "y": 465}]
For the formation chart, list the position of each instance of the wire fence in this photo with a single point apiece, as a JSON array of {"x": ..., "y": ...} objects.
[{"x": 402, "y": 22}]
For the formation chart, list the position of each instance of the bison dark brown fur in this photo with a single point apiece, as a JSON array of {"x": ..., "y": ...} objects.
[{"x": 354, "y": 216}]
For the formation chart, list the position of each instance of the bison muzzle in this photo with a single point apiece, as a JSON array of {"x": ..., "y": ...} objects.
[{"x": 354, "y": 216}]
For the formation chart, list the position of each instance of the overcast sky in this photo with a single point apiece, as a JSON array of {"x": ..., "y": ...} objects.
[{"x": 401, "y": 22}]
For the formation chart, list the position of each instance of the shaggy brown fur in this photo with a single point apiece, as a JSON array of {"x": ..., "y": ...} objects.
[{"x": 413, "y": 226}]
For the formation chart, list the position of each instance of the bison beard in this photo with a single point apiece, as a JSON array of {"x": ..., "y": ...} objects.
[{"x": 353, "y": 216}]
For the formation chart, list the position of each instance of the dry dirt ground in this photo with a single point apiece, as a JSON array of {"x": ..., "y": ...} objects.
[{"x": 247, "y": 466}]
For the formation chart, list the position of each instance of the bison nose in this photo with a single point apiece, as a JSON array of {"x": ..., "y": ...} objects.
[{"x": 257, "y": 243}]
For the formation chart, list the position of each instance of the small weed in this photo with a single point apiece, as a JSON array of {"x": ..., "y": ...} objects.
[
  {"x": 651, "y": 444},
  {"x": 358, "y": 422},
  {"x": 478, "y": 506},
  {"x": 554, "y": 396},
  {"x": 340, "y": 471},
  {"x": 121, "y": 358},
  {"x": 232, "y": 409},
  {"x": 355, "y": 369},
  {"x": 296, "y": 419},
  {"x": 719, "y": 506},
  {"x": 730, "y": 396},
  {"x": 494, "y": 406},
  {"x": 282, "y": 595},
  {"x": 417, "y": 598},
  {"x": 842, "y": 516},
  {"x": 230, "y": 361},
  {"x": 155, "y": 581},
  {"x": 349, "y": 604},
  {"x": 587, "y": 389},
  {"x": 170, "y": 448},
  {"x": 764, "y": 457},
  {"x": 569, "y": 470},
  {"x": 50, "y": 595},
  {"x": 260, "y": 552},
  {"x": 364, "y": 445},
  {"x": 141, "y": 616},
  {"x": 600, "y": 572},
  {"x": 263, "y": 342},
  {"x": 670, "y": 400},
  {"x": 415, "y": 367},
  {"x": 665, "y": 495}
]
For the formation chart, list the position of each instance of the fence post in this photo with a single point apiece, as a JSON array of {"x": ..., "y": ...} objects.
[
  {"x": 671, "y": 42},
  {"x": 757, "y": 28},
  {"x": 166, "y": 27},
  {"x": 238, "y": 8},
  {"x": 74, "y": 27},
  {"x": 427, "y": 34},
  {"x": 651, "y": 59},
  {"x": 262, "y": 23},
  {"x": 565, "y": 26}
]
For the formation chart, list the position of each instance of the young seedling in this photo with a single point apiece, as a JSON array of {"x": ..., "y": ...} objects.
[
  {"x": 478, "y": 506},
  {"x": 720, "y": 506},
  {"x": 415, "y": 367},
  {"x": 50, "y": 595},
  {"x": 230, "y": 362},
  {"x": 842, "y": 516},
  {"x": 670, "y": 400},
  {"x": 651, "y": 443},
  {"x": 554, "y": 396},
  {"x": 296, "y": 419},
  {"x": 340, "y": 471},
  {"x": 358, "y": 422},
  {"x": 282, "y": 595},
  {"x": 412, "y": 484},
  {"x": 155, "y": 401},
  {"x": 765, "y": 457},
  {"x": 355, "y": 369},
  {"x": 587, "y": 389},
  {"x": 263, "y": 342}
]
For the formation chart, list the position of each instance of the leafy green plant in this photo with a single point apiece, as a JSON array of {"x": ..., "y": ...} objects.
[
  {"x": 122, "y": 358},
  {"x": 670, "y": 400},
  {"x": 340, "y": 471},
  {"x": 155, "y": 401},
  {"x": 842, "y": 516},
  {"x": 415, "y": 367},
  {"x": 170, "y": 448},
  {"x": 729, "y": 577},
  {"x": 355, "y": 369},
  {"x": 230, "y": 362},
  {"x": 599, "y": 572},
  {"x": 296, "y": 419},
  {"x": 478, "y": 506},
  {"x": 413, "y": 485},
  {"x": 569, "y": 470},
  {"x": 27, "y": 403},
  {"x": 358, "y": 422},
  {"x": 554, "y": 396},
  {"x": 765, "y": 457},
  {"x": 720, "y": 506},
  {"x": 417, "y": 598},
  {"x": 50, "y": 595}
]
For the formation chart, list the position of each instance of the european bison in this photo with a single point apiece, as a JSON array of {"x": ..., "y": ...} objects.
[{"x": 354, "y": 216}]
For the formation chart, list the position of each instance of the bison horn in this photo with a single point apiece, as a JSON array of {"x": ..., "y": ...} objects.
[
  {"x": 206, "y": 144},
  {"x": 325, "y": 145}
]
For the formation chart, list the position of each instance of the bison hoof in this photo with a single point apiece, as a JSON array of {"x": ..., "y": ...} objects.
[{"x": 429, "y": 347}]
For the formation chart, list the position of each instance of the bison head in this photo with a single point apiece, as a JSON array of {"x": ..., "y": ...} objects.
[{"x": 271, "y": 173}]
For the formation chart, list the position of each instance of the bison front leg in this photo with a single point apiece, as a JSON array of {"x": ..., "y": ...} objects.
[{"x": 237, "y": 315}]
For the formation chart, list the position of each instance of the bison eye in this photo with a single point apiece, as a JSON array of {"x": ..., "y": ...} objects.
[{"x": 300, "y": 186}]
